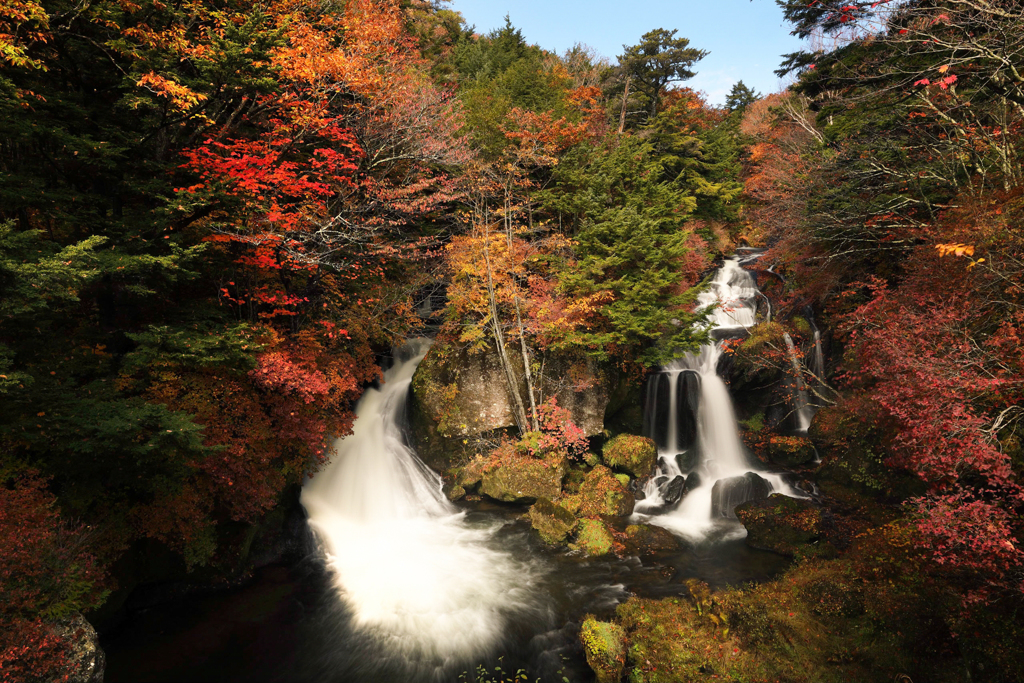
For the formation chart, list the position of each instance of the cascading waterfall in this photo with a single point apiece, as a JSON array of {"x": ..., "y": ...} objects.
[
  {"x": 413, "y": 573},
  {"x": 801, "y": 406},
  {"x": 707, "y": 450}
]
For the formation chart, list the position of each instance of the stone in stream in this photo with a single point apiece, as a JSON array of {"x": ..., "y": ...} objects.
[
  {"x": 728, "y": 493},
  {"x": 552, "y": 521},
  {"x": 604, "y": 644},
  {"x": 692, "y": 482},
  {"x": 634, "y": 455},
  {"x": 687, "y": 460},
  {"x": 523, "y": 479},
  {"x": 672, "y": 492},
  {"x": 593, "y": 538}
]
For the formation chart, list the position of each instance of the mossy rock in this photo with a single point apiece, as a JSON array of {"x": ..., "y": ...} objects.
[
  {"x": 605, "y": 646},
  {"x": 552, "y": 521},
  {"x": 790, "y": 451},
  {"x": 602, "y": 494},
  {"x": 454, "y": 491},
  {"x": 645, "y": 539},
  {"x": 780, "y": 524},
  {"x": 593, "y": 538},
  {"x": 634, "y": 455},
  {"x": 523, "y": 479}
]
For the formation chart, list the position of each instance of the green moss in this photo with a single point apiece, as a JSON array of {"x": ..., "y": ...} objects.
[
  {"x": 523, "y": 479},
  {"x": 553, "y": 522},
  {"x": 801, "y": 325},
  {"x": 754, "y": 423},
  {"x": 635, "y": 455},
  {"x": 622, "y": 479},
  {"x": 602, "y": 494},
  {"x": 593, "y": 538},
  {"x": 604, "y": 646},
  {"x": 790, "y": 451},
  {"x": 781, "y": 524}
]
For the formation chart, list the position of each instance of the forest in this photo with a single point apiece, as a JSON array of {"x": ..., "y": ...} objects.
[{"x": 218, "y": 218}]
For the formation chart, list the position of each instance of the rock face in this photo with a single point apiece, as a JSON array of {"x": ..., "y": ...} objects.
[
  {"x": 466, "y": 394},
  {"x": 635, "y": 455},
  {"x": 605, "y": 646},
  {"x": 86, "y": 660},
  {"x": 593, "y": 538},
  {"x": 780, "y": 524},
  {"x": 602, "y": 494},
  {"x": 726, "y": 494},
  {"x": 553, "y": 522},
  {"x": 523, "y": 479}
]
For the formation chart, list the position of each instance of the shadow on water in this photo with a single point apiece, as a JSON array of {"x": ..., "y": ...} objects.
[{"x": 287, "y": 624}]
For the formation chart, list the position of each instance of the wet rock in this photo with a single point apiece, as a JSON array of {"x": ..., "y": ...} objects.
[
  {"x": 790, "y": 451},
  {"x": 603, "y": 494},
  {"x": 644, "y": 539},
  {"x": 86, "y": 659},
  {"x": 780, "y": 524},
  {"x": 604, "y": 644},
  {"x": 728, "y": 493},
  {"x": 687, "y": 460},
  {"x": 672, "y": 492},
  {"x": 454, "y": 491},
  {"x": 693, "y": 481},
  {"x": 553, "y": 522},
  {"x": 523, "y": 479},
  {"x": 593, "y": 538},
  {"x": 635, "y": 455}
]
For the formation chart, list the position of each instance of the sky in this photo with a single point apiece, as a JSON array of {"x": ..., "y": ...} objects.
[{"x": 745, "y": 37}]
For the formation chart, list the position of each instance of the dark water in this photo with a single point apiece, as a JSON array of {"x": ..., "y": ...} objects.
[{"x": 288, "y": 623}]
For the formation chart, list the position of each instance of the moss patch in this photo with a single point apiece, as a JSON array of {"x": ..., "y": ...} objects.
[
  {"x": 553, "y": 522},
  {"x": 593, "y": 538},
  {"x": 604, "y": 645},
  {"x": 634, "y": 455}
]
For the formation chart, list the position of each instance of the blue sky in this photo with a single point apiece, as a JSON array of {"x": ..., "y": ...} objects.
[{"x": 745, "y": 37}]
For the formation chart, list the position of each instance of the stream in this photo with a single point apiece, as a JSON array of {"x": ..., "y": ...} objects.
[{"x": 400, "y": 585}]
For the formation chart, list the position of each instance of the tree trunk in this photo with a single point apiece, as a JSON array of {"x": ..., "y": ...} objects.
[{"x": 622, "y": 113}]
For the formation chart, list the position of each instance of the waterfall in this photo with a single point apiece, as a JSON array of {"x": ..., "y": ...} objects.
[
  {"x": 801, "y": 407},
  {"x": 710, "y": 463},
  {"x": 409, "y": 568}
]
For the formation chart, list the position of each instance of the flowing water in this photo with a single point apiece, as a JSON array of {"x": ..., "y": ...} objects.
[
  {"x": 698, "y": 436},
  {"x": 417, "y": 576},
  {"x": 402, "y": 586}
]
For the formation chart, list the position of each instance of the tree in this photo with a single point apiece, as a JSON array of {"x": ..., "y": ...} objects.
[
  {"x": 740, "y": 97},
  {"x": 657, "y": 60}
]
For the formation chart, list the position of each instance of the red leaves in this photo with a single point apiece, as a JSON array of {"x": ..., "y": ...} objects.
[{"x": 277, "y": 372}]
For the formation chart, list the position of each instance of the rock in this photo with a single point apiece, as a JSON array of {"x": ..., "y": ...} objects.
[
  {"x": 593, "y": 538},
  {"x": 693, "y": 481},
  {"x": 605, "y": 646},
  {"x": 728, "y": 493},
  {"x": 790, "y": 451},
  {"x": 523, "y": 479},
  {"x": 602, "y": 494},
  {"x": 644, "y": 539},
  {"x": 553, "y": 522},
  {"x": 86, "y": 659},
  {"x": 622, "y": 479},
  {"x": 780, "y": 523},
  {"x": 672, "y": 492},
  {"x": 634, "y": 455},
  {"x": 687, "y": 460},
  {"x": 471, "y": 475},
  {"x": 454, "y": 491}
]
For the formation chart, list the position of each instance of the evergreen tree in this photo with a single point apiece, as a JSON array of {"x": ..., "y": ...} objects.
[
  {"x": 658, "y": 60},
  {"x": 740, "y": 97}
]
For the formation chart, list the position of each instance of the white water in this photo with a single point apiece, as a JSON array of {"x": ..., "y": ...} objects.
[
  {"x": 801, "y": 406},
  {"x": 719, "y": 446},
  {"x": 413, "y": 573}
]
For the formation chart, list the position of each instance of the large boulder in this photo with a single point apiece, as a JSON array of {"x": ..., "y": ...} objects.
[
  {"x": 522, "y": 479},
  {"x": 780, "y": 523},
  {"x": 726, "y": 494},
  {"x": 644, "y": 539},
  {"x": 552, "y": 521},
  {"x": 604, "y": 644},
  {"x": 602, "y": 494},
  {"x": 635, "y": 455}
]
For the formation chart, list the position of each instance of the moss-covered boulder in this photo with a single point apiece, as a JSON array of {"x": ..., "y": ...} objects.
[
  {"x": 552, "y": 521},
  {"x": 790, "y": 451},
  {"x": 605, "y": 646},
  {"x": 635, "y": 455},
  {"x": 593, "y": 538},
  {"x": 523, "y": 479},
  {"x": 644, "y": 539},
  {"x": 601, "y": 494},
  {"x": 781, "y": 524}
]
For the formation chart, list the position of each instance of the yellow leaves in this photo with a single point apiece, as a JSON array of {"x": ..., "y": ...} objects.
[
  {"x": 966, "y": 250},
  {"x": 955, "y": 249},
  {"x": 944, "y": 68}
]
